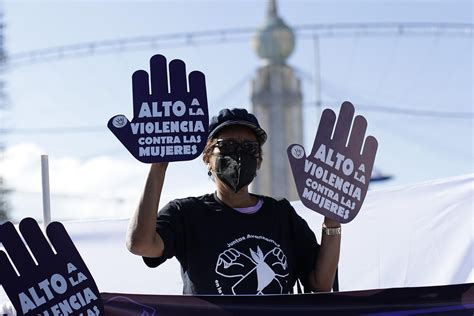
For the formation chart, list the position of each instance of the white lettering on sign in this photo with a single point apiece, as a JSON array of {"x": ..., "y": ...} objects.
[
  {"x": 75, "y": 302},
  {"x": 171, "y": 150},
  {"x": 58, "y": 284},
  {"x": 56, "y": 288},
  {"x": 157, "y": 140},
  {"x": 178, "y": 108},
  {"x": 325, "y": 203},
  {"x": 196, "y": 112},
  {"x": 167, "y": 127},
  {"x": 327, "y": 158},
  {"x": 332, "y": 179}
]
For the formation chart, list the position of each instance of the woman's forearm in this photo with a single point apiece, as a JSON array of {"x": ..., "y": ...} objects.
[
  {"x": 142, "y": 238},
  {"x": 326, "y": 264}
]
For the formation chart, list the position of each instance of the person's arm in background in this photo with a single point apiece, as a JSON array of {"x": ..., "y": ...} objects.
[
  {"x": 322, "y": 277},
  {"x": 142, "y": 238}
]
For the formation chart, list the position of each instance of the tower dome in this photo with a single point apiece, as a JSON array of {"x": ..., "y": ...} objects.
[{"x": 275, "y": 40}]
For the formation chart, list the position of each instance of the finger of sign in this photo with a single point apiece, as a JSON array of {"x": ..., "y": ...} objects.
[
  {"x": 159, "y": 75},
  {"x": 343, "y": 124},
  {"x": 325, "y": 128},
  {"x": 357, "y": 134},
  {"x": 7, "y": 273},
  {"x": 370, "y": 149},
  {"x": 140, "y": 90},
  {"x": 16, "y": 249},
  {"x": 197, "y": 84},
  {"x": 35, "y": 240},
  {"x": 178, "y": 77},
  {"x": 61, "y": 241}
]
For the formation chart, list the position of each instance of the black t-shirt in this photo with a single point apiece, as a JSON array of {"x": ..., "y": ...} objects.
[{"x": 222, "y": 251}]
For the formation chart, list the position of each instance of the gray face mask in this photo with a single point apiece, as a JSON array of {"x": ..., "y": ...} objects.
[{"x": 236, "y": 170}]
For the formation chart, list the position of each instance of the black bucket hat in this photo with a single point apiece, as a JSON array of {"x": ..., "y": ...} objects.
[{"x": 227, "y": 117}]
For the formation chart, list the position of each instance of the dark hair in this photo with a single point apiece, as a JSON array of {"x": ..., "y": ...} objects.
[{"x": 206, "y": 154}]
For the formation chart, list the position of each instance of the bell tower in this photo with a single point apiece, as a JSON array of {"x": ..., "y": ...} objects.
[{"x": 277, "y": 102}]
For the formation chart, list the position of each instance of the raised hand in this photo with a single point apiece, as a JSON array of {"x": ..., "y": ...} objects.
[
  {"x": 232, "y": 263},
  {"x": 333, "y": 180},
  {"x": 54, "y": 282},
  {"x": 168, "y": 124}
]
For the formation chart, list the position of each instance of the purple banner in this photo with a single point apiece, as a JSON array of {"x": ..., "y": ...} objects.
[{"x": 438, "y": 300}]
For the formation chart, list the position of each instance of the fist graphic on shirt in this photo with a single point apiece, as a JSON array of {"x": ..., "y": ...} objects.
[
  {"x": 276, "y": 259},
  {"x": 232, "y": 263}
]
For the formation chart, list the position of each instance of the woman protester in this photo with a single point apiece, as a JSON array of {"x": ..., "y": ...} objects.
[{"x": 232, "y": 241}]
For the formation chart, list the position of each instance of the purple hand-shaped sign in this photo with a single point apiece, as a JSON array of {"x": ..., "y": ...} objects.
[
  {"x": 168, "y": 124},
  {"x": 54, "y": 282},
  {"x": 334, "y": 179}
]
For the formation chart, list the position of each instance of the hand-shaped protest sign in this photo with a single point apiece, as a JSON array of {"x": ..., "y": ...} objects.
[
  {"x": 167, "y": 125},
  {"x": 334, "y": 179},
  {"x": 57, "y": 283}
]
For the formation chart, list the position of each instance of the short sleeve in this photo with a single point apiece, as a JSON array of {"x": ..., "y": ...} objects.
[
  {"x": 169, "y": 225},
  {"x": 305, "y": 246}
]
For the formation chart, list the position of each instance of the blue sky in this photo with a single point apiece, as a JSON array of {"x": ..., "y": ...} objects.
[{"x": 93, "y": 176}]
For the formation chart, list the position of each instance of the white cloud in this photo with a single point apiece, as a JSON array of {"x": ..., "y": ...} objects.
[{"x": 98, "y": 187}]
